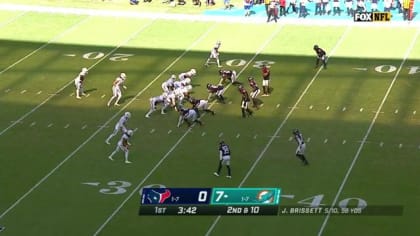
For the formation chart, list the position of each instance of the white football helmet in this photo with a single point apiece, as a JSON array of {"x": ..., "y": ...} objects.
[
  {"x": 188, "y": 88},
  {"x": 193, "y": 72},
  {"x": 84, "y": 70},
  {"x": 187, "y": 81},
  {"x": 123, "y": 76},
  {"x": 130, "y": 132},
  {"x": 127, "y": 114},
  {"x": 173, "y": 76}
]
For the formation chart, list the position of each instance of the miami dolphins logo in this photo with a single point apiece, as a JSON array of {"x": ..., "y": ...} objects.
[{"x": 265, "y": 196}]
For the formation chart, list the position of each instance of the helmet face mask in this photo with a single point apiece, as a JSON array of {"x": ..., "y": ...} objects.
[
  {"x": 316, "y": 46},
  {"x": 127, "y": 114},
  {"x": 295, "y": 131},
  {"x": 123, "y": 76},
  {"x": 130, "y": 132}
]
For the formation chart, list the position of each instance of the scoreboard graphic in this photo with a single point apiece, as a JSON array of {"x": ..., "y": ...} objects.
[{"x": 210, "y": 201}]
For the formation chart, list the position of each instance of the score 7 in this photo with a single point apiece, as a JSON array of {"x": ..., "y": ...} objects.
[{"x": 219, "y": 195}]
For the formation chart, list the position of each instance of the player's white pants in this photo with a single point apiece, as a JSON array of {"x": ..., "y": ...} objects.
[
  {"x": 122, "y": 148},
  {"x": 265, "y": 82},
  {"x": 225, "y": 160},
  {"x": 116, "y": 93},
  {"x": 244, "y": 104},
  {"x": 255, "y": 93},
  {"x": 117, "y": 128},
  {"x": 301, "y": 149},
  {"x": 203, "y": 104},
  {"x": 79, "y": 88}
]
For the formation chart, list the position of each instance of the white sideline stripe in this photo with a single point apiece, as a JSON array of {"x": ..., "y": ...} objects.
[
  {"x": 180, "y": 139},
  {"x": 30, "y": 54},
  {"x": 90, "y": 137},
  {"x": 372, "y": 123},
  {"x": 109, "y": 120},
  {"x": 276, "y": 133}
]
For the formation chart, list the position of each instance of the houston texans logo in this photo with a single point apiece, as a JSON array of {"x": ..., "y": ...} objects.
[{"x": 156, "y": 197}]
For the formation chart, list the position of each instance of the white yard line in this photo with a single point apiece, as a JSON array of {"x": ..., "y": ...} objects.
[
  {"x": 276, "y": 133},
  {"x": 107, "y": 122},
  {"x": 137, "y": 188},
  {"x": 27, "y": 56},
  {"x": 12, "y": 19},
  {"x": 372, "y": 123}
]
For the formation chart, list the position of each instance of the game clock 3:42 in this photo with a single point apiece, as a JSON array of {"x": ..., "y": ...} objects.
[{"x": 187, "y": 210}]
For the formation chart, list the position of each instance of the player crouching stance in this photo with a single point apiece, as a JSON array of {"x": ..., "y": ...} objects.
[
  {"x": 216, "y": 91},
  {"x": 124, "y": 145},
  {"x": 188, "y": 116},
  {"x": 228, "y": 76},
  {"x": 154, "y": 101},
  {"x": 200, "y": 104}
]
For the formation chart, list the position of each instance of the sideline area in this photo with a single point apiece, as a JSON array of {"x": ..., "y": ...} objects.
[{"x": 235, "y": 15}]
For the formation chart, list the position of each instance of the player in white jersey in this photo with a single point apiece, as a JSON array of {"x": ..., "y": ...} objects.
[
  {"x": 300, "y": 151},
  {"x": 170, "y": 101},
  {"x": 168, "y": 84},
  {"x": 120, "y": 125},
  {"x": 78, "y": 82},
  {"x": 116, "y": 89},
  {"x": 188, "y": 116},
  {"x": 189, "y": 74},
  {"x": 154, "y": 101},
  {"x": 124, "y": 145},
  {"x": 214, "y": 54}
]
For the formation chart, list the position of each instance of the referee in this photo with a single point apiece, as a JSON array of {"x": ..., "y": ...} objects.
[{"x": 224, "y": 159}]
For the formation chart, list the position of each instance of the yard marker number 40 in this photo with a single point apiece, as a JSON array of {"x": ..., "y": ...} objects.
[{"x": 315, "y": 201}]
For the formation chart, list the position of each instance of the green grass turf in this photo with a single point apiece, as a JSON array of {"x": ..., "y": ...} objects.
[{"x": 62, "y": 205}]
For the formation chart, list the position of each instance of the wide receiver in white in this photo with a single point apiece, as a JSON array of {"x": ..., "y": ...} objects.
[
  {"x": 124, "y": 145},
  {"x": 78, "y": 82},
  {"x": 214, "y": 54},
  {"x": 116, "y": 89},
  {"x": 121, "y": 125}
]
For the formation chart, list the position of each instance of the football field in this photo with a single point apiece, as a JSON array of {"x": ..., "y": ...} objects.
[{"x": 360, "y": 119}]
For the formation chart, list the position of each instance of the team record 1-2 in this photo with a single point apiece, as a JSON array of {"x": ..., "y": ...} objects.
[{"x": 209, "y": 201}]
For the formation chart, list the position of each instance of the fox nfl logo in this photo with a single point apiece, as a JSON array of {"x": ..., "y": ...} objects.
[{"x": 371, "y": 16}]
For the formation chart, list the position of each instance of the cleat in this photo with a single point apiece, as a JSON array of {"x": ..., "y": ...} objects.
[
  {"x": 107, "y": 142},
  {"x": 216, "y": 174},
  {"x": 110, "y": 158},
  {"x": 127, "y": 162},
  {"x": 78, "y": 97},
  {"x": 163, "y": 113},
  {"x": 228, "y": 176},
  {"x": 219, "y": 66},
  {"x": 147, "y": 116},
  {"x": 84, "y": 94},
  {"x": 116, "y": 104}
]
